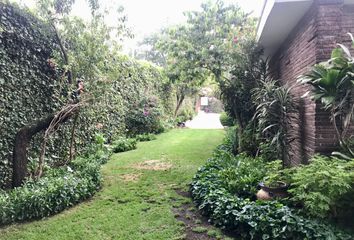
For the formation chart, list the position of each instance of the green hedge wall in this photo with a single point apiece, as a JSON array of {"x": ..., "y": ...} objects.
[
  {"x": 27, "y": 83},
  {"x": 30, "y": 89}
]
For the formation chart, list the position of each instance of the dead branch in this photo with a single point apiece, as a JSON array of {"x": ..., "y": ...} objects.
[{"x": 62, "y": 116}]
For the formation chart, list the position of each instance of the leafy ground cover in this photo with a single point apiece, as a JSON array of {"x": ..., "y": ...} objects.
[
  {"x": 138, "y": 199},
  {"x": 224, "y": 190}
]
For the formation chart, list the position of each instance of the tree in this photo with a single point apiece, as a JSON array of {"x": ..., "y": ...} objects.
[
  {"x": 215, "y": 33},
  {"x": 183, "y": 71},
  {"x": 149, "y": 51}
]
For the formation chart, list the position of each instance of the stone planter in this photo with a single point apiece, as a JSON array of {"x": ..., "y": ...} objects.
[{"x": 273, "y": 190}]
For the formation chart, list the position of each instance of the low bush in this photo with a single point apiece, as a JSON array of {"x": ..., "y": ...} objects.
[
  {"x": 124, "y": 144},
  {"x": 232, "y": 208},
  {"x": 145, "y": 137},
  {"x": 59, "y": 189},
  {"x": 325, "y": 187},
  {"x": 185, "y": 114},
  {"x": 244, "y": 176},
  {"x": 226, "y": 120}
]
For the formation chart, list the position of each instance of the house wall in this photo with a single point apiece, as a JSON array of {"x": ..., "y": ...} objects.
[{"x": 311, "y": 41}]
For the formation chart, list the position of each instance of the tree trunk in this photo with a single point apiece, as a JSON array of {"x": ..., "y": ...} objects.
[
  {"x": 179, "y": 103},
  {"x": 63, "y": 52},
  {"x": 22, "y": 140}
]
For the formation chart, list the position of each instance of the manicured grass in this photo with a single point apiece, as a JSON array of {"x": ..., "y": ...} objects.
[{"x": 136, "y": 201}]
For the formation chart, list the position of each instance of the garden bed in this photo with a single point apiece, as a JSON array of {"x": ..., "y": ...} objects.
[{"x": 224, "y": 190}]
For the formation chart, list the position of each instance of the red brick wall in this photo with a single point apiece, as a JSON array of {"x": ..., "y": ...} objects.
[{"x": 311, "y": 41}]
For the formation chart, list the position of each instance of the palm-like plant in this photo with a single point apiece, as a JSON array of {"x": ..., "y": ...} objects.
[
  {"x": 333, "y": 86},
  {"x": 275, "y": 110}
]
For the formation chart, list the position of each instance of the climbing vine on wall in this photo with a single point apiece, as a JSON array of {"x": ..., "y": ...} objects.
[{"x": 32, "y": 86}]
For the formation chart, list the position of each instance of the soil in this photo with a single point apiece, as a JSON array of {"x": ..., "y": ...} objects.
[
  {"x": 196, "y": 226},
  {"x": 156, "y": 165},
  {"x": 130, "y": 177}
]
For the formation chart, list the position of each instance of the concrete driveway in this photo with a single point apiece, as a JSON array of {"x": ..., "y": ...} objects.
[{"x": 205, "y": 121}]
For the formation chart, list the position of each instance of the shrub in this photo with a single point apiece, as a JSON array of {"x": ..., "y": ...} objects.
[
  {"x": 332, "y": 85},
  {"x": 57, "y": 190},
  {"x": 187, "y": 113},
  {"x": 231, "y": 140},
  {"x": 243, "y": 177},
  {"x": 268, "y": 151},
  {"x": 249, "y": 140},
  {"x": 275, "y": 110},
  {"x": 251, "y": 219},
  {"x": 226, "y": 120},
  {"x": 146, "y": 117},
  {"x": 322, "y": 185},
  {"x": 145, "y": 137},
  {"x": 124, "y": 144}
]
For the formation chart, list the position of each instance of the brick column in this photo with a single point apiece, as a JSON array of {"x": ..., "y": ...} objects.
[{"x": 329, "y": 33}]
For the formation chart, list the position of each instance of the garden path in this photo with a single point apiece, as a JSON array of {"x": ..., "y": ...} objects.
[
  {"x": 139, "y": 198},
  {"x": 205, "y": 121}
]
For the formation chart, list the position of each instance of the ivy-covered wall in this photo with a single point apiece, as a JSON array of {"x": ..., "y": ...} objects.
[
  {"x": 27, "y": 82},
  {"x": 30, "y": 89}
]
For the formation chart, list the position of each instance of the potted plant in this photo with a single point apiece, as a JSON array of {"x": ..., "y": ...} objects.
[{"x": 276, "y": 189}]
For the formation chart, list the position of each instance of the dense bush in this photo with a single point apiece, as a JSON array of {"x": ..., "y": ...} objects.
[
  {"x": 325, "y": 187},
  {"x": 145, "y": 137},
  {"x": 57, "y": 190},
  {"x": 226, "y": 120},
  {"x": 243, "y": 177},
  {"x": 123, "y": 144},
  {"x": 146, "y": 117},
  {"x": 249, "y": 140},
  {"x": 250, "y": 219},
  {"x": 186, "y": 111}
]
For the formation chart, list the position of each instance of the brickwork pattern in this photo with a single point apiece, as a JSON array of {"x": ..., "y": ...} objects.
[{"x": 324, "y": 25}]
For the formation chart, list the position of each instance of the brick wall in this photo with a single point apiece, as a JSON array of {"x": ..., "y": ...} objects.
[{"x": 311, "y": 41}]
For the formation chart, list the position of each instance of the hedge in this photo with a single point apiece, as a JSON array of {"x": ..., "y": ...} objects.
[
  {"x": 58, "y": 190},
  {"x": 30, "y": 90}
]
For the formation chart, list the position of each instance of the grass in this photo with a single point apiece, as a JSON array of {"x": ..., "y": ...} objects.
[
  {"x": 135, "y": 202},
  {"x": 200, "y": 229}
]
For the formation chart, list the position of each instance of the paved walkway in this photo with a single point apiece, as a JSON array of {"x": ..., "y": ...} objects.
[{"x": 205, "y": 121}]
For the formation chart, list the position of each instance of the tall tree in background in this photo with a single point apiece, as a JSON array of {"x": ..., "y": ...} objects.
[
  {"x": 183, "y": 71},
  {"x": 149, "y": 51},
  {"x": 223, "y": 38}
]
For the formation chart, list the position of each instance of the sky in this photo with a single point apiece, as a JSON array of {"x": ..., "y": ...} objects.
[{"x": 148, "y": 16}]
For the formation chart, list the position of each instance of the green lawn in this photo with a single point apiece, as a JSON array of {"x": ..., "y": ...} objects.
[{"x": 135, "y": 202}]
